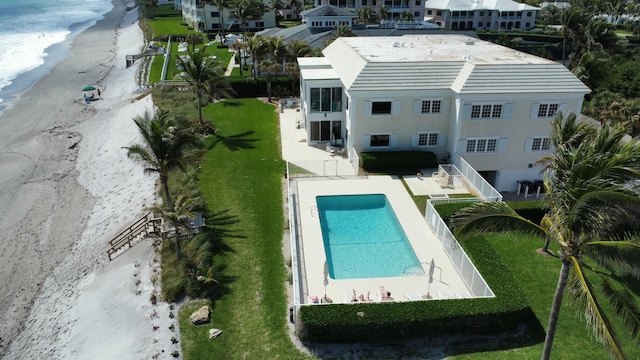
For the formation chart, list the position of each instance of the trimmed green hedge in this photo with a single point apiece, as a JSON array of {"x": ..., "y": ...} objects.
[
  {"x": 391, "y": 320},
  {"x": 248, "y": 87},
  {"x": 390, "y": 161}
]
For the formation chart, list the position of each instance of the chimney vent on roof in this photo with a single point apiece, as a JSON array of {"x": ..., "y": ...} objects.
[{"x": 469, "y": 41}]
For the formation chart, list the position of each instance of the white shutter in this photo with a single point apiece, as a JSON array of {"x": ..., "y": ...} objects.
[
  {"x": 445, "y": 105},
  {"x": 507, "y": 110},
  {"x": 366, "y": 141},
  {"x": 393, "y": 141},
  {"x": 563, "y": 108},
  {"x": 395, "y": 107},
  {"x": 534, "y": 111},
  {"x": 414, "y": 140},
  {"x": 502, "y": 145},
  {"x": 462, "y": 146},
  {"x": 367, "y": 107},
  {"x": 528, "y": 144},
  {"x": 417, "y": 107},
  {"x": 466, "y": 112},
  {"x": 442, "y": 139}
]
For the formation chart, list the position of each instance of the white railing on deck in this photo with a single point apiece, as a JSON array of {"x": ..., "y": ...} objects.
[
  {"x": 474, "y": 281},
  {"x": 478, "y": 183},
  {"x": 293, "y": 237}
]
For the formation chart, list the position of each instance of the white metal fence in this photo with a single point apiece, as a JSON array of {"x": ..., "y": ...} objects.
[
  {"x": 474, "y": 281},
  {"x": 478, "y": 183}
]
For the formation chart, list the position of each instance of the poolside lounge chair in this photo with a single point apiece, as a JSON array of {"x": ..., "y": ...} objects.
[
  {"x": 413, "y": 295},
  {"x": 443, "y": 295}
]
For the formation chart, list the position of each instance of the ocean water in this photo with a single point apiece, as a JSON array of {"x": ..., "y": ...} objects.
[{"x": 35, "y": 35}]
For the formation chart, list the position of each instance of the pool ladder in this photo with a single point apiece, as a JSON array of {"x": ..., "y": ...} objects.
[{"x": 315, "y": 212}]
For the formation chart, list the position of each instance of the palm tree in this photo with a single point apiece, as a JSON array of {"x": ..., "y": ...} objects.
[
  {"x": 406, "y": 16},
  {"x": 221, "y": 5},
  {"x": 383, "y": 13},
  {"x": 167, "y": 145},
  {"x": 246, "y": 9},
  {"x": 239, "y": 47},
  {"x": 256, "y": 47},
  {"x": 269, "y": 67},
  {"x": 179, "y": 214},
  {"x": 277, "y": 50},
  {"x": 293, "y": 70},
  {"x": 366, "y": 16},
  {"x": 340, "y": 31},
  {"x": 275, "y": 6},
  {"x": 199, "y": 71},
  {"x": 592, "y": 201},
  {"x": 296, "y": 49}
]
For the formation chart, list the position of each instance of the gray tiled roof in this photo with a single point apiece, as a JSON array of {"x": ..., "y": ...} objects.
[{"x": 327, "y": 10}]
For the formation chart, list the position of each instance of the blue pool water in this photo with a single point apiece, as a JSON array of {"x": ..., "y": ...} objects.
[{"x": 363, "y": 238}]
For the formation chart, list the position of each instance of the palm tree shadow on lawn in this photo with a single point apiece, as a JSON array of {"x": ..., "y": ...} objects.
[
  {"x": 210, "y": 244},
  {"x": 235, "y": 142}
]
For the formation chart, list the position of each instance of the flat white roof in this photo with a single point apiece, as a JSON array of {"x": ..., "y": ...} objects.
[
  {"x": 318, "y": 74},
  {"x": 430, "y": 48}
]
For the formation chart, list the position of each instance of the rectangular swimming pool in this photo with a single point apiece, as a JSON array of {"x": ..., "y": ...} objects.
[{"x": 363, "y": 238}]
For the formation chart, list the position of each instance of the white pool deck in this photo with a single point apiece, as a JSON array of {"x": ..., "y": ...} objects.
[{"x": 446, "y": 280}]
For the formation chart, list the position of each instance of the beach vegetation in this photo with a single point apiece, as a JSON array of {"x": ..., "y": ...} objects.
[
  {"x": 147, "y": 7},
  {"x": 592, "y": 202},
  {"x": 179, "y": 214},
  {"x": 167, "y": 145}
]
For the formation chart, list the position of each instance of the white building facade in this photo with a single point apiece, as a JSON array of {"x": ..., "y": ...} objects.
[
  {"x": 449, "y": 94},
  {"x": 481, "y": 14},
  {"x": 394, "y": 7},
  {"x": 204, "y": 16}
]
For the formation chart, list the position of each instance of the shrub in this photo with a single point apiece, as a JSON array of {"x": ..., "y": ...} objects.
[{"x": 392, "y": 161}]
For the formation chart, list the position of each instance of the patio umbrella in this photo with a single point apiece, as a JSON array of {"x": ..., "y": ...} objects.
[
  {"x": 88, "y": 88},
  {"x": 326, "y": 282},
  {"x": 432, "y": 268}
]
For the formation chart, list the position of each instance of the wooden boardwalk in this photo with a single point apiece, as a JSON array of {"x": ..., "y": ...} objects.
[{"x": 146, "y": 226}]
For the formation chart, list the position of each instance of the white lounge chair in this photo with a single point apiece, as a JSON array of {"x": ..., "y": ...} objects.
[{"x": 413, "y": 295}]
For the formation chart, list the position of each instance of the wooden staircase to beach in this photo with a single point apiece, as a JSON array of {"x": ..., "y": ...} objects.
[{"x": 146, "y": 226}]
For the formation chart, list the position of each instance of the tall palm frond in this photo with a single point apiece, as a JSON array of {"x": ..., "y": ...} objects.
[{"x": 167, "y": 145}]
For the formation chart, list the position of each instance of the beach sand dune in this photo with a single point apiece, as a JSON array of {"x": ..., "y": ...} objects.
[{"x": 66, "y": 188}]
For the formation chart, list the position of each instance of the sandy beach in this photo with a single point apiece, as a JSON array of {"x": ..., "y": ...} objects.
[{"x": 66, "y": 188}]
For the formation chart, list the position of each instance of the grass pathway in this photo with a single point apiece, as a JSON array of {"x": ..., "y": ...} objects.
[{"x": 241, "y": 175}]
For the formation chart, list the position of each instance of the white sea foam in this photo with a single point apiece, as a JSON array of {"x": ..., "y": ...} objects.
[{"x": 29, "y": 29}]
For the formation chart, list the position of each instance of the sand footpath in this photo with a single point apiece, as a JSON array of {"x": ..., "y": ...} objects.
[{"x": 66, "y": 188}]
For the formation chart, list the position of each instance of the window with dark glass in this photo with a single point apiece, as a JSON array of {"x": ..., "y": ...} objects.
[
  {"x": 381, "y": 107},
  {"x": 379, "y": 140},
  {"x": 325, "y": 99}
]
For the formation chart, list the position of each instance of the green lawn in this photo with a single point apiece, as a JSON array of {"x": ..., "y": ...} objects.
[
  {"x": 168, "y": 25},
  {"x": 167, "y": 10},
  {"x": 156, "y": 69},
  {"x": 241, "y": 176},
  {"x": 538, "y": 276}
]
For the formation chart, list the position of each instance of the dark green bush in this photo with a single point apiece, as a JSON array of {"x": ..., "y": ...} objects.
[
  {"x": 248, "y": 87},
  {"x": 530, "y": 210},
  {"x": 392, "y": 161}
]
